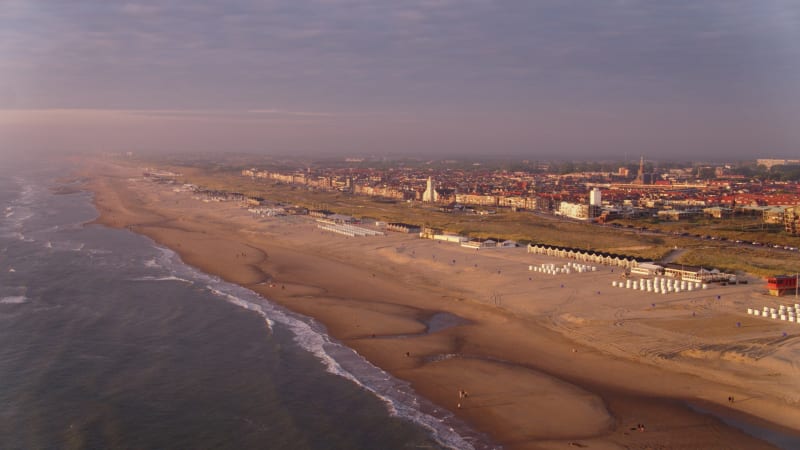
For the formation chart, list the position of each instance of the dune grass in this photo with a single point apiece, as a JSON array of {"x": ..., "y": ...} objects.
[{"x": 528, "y": 227}]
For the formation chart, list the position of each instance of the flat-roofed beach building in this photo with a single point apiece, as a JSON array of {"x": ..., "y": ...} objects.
[
  {"x": 403, "y": 227},
  {"x": 780, "y": 285},
  {"x": 697, "y": 274}
]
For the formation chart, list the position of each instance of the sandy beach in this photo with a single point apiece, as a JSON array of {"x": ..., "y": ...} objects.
[{"x": 548, "y": 361}]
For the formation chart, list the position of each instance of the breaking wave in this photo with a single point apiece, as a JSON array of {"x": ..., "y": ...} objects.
[{"x": 338, "y": 359}]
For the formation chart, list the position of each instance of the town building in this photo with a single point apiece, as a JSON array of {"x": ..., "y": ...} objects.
[
  {"x": 573, "y": 210},
  {"x": 791, "y": 220},
  {"x": 430, "y": 195}
]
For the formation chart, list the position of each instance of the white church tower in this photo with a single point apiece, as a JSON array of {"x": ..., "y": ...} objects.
[{"x": 430, "y": 194}]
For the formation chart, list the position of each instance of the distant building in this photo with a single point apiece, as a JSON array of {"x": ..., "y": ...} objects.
[
  {"x": 697, "y": 274},
  {"x": 478, "y": 243},
  {"x": 320, "y": 213},
  {"x": 676, "y": 215},
  {"x": 573, "y": 210},
  {"x": 769, "y": 163},
  {"x": 430, "y": 195},
  {"x": 718, "y": 212},
  {"x": 517, "y": 202},
  {"x": 456, "y": 238},
  {"x": 477, "y": 199},
  {"x": 774, "y": 215},
  {"x": 791, "y": 220},
  {"x": 640, "y": 174},
  {"x": 403, "y": 227},
  {"x": 595, "y": 198},
  {"x": 642, "y": 177},
  {"x": 780, "y": 285},
  {"x": 647, "y": 269}
]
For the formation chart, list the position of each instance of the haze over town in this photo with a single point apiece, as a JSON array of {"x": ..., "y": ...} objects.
[{"x": 601, "y": 79}]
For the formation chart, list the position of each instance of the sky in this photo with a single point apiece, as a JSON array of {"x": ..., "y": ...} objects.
[{"x": 710, "y": 79}]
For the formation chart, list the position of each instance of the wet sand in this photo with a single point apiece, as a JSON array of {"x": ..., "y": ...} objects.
[{"x": 545, "y": 365}]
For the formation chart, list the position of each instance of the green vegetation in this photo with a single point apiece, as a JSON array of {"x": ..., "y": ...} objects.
[
  {"x": 628, "y": 239},
  {"x": 744, "y": 228},
  {"x": 758, "y": 261}
]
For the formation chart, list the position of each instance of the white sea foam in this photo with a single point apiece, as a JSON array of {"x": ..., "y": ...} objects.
[
  {"x": 166, "y": 278},
  {"x": 71, "y": 246},
  {"x": 151, "y": 263},
  {"x": 399, "y": 397},
  {"x": 13, "y": 300},
  {"x": 18, "y": 218},
  {"x": 244, "y": 304},
  {"x": 18, "y": 236}
]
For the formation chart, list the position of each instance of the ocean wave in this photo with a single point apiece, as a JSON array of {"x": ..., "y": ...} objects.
[
  {"x": 340, "y": 360},
  {"x": 244, "y": 304},
  {"x": 18, "y": 217},
  {"x": 28, "y": 191},
  {"x": 167, "y": 258},
  {"x": 398, "y": 396},
  {"x": 13, "y": 300},
  {"x": 18, "y": 236},
  {"x": 315, "y": 341},
  {"x": 70, "y": 246},
  {"x": 151, "y": 263},
  {"x": 165, "y": 278}
]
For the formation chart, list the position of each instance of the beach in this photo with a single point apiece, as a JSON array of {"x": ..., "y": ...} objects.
[{"x": 546, "y": 360}]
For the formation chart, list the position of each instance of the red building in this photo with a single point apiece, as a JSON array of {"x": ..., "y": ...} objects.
[{"x": 782, "y": 284}]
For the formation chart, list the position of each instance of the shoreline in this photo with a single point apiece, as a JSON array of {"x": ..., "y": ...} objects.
[
  {"x": 601, "y": 413},
  {"x": 341, "y": 361}
]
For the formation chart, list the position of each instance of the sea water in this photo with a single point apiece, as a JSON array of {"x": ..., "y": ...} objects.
[{"x": 109, "y": 341}]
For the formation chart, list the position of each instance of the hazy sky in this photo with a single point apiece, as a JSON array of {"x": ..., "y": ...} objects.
[{"x": 538, "y": 78}]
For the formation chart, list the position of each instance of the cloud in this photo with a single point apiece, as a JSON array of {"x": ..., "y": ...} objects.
[
  {"x": 139, "y": 9},
  {"x": 226, "y": 59},
  {"x": 81, "y": 114},
  {"x": 290, "y": 113}
]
